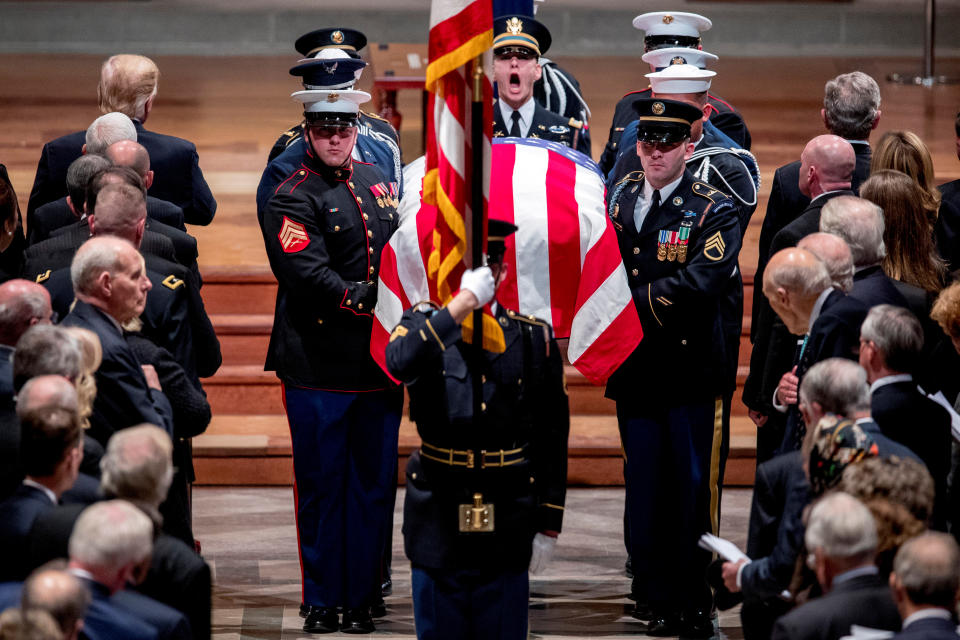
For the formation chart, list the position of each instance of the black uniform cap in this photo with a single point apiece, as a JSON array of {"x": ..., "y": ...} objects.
[
  {"x": 350, "y": 40},
  {"x": 520, "y": 31},
  {"x": 497, "y": 233},
  {"x": 664, "y": 120},
  {"x": 324, "y": 74}
]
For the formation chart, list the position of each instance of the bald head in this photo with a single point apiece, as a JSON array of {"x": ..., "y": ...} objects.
[
  {"x": 835, "y": 255},
  {"x": 46, "y": 391},
  {"x": 50, "y": 588},
  {"x": 826, "y": 164},
  {"x": 22, "y": 304},
  {"x": 792, "y": 281},
  {"x": 129, "y": 153}
]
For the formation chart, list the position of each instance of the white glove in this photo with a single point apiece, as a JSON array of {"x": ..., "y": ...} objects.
[
  {"x": 480, "y": 283},
  {"x": 543, "y": 547}
]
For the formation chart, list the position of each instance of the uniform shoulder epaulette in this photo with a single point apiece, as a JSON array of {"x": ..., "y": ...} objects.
[
  {"x": 576, "y": 124},
  {"x": 633, "y": 176},
  {"x": 704, "y": 190},
  {"x": 291, "y": 132},
  {"x": 43, "y": 277},
  {"x": 529, "y": 319},
  {"x": 376, "y": 116},
  {"x": 172, "y": 282}
]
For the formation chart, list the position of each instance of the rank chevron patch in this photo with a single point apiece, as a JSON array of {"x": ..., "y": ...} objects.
[
  {"x": 293, "y": 236},
  {"x": 713, "y": 249}
]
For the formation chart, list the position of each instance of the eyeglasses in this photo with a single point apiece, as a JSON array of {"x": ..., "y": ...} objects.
[
  {"x": 663, "y": 147},
  {"x": 520, "y": 53}
]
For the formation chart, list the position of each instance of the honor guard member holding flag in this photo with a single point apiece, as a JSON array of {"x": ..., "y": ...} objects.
[
  {"x": 679, "y": 239},
  {"x": 324, "y": 230},
  {"x": 518, "y": 43},
  {"x": 671, "y": 29},
  {"x": 485, "y": 494},
  {"x": 331, "y": 62}
]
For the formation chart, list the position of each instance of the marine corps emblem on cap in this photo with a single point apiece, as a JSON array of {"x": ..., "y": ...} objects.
[
  {"x": 333, "y": 97},
  {"x": 667, "y": 19},
  {"x": 657, "y": 108},
  {"x": 515, "y": 25},
  {"x": 337, "y": 37},
  {"x": 678, "y": 60}
]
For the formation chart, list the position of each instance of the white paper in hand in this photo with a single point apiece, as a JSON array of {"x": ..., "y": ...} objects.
[
  {"x": 940, "y": 399},
  {"x": 723, "y": 548}
]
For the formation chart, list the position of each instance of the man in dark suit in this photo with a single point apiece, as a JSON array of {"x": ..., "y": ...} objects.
[
  {"x": 891, "y": 340},
  {"x": 109, "y": 543},
  {"x": 851, "y": 110},
  {"x": 128, "y": 153},
  {"x": 72, "y": 207},
  {"x": 517, "y": 46},
  {"x": 842, "y": 537},
  {"x": 128, "y": 84},
  {"x": 951, "y": 190},
  {"x": 110, "y": 283},
  {"x": 50, "y": 452},
  {"x": 925, "y": 581},
  {"x": 827, "y": 163}
]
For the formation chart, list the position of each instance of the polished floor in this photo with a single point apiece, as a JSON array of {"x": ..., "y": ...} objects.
[{"x": 249, "y": 539}]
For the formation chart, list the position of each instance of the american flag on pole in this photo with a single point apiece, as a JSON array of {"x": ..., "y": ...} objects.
[{"x": 564, "y": 259}]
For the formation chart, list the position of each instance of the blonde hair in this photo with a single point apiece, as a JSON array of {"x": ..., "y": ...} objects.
[
  {"x": 905, "y": 151},
  {"x": 92, "y": 355},
  {"x": 946, "y": 310},
  {"x": 127, "y": 82}
]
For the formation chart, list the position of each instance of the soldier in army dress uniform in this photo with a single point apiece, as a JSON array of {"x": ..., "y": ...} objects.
[
  {"x": 485, "y": 494},
  {"x": 517, "y": 46},
  {"x": 324, "y": 230},
  {"x": 679, "y": 239},
  {"x": 377, "y": 140}
]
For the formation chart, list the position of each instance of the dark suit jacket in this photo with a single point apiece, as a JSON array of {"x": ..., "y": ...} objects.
[
  {"x": 57, "y": 214},
  {"x": 545, "y": 125},
  {"x": 863, "y": 600},
  {"x": 946, "y": 231},
  {"x": 102, "y": 622},
  {"x": 123, "y": 397},
  {"x": 929, "y": 629},
  {"x": 177, "y": 175},
  {"x": 17, "y": 514},
  {"x": 178, "y": 577},
  {"x": 872, "y": 286},
  {"x": 169, "y": 623}
]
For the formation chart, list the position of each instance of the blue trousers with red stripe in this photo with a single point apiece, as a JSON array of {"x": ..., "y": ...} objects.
[{"x": 344, "y": 462}]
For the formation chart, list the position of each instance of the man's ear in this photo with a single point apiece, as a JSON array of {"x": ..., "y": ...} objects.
[
  {"x": 91, "y": 221},
  {"x": 539, "y": 71},
  {"x": 83, "y": 149},
  {"x": 72, "y": 208},
  {"x": 823, "y": 116},
  {"x": 104, "y": 284}
]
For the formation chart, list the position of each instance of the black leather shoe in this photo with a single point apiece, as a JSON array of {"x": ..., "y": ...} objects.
[
  {"x": 628, "y": 567},
  {"x": 386, "y": 589},
  {"x": 321, "y": 620},
  {"x": 697, "y": 623},
  {"x": 378, "y": 609},
  {"x": 304, "y": 610},
  {"x": 664, "y": 625},
  {"x": 357, "y": 621},
  {"x": 642, "y": 611}
]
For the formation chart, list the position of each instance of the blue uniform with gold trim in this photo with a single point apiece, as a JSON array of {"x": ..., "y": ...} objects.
[
  {"x": 545, "y": 125},
  {"x": 681, "y": 267},
  {"x": 324, "y": 230},
  {"x": 518, "y": 453}
]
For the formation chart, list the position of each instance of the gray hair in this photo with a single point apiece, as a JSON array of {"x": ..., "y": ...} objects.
[
  {"x": 119, "y": 209},
  {"x": 860, "y": 223},
  {"x": 897, "y": 334},
  {"x": 79, "y": 174},
  {"x": 46, "y": 390},
  {"x": 24, "y": 302},
  {"x": 95, "y": 256},
  {"x": 111, "y": 535},
  {"x": 46, "y": 349},
  {"x": 834, "y": 252},
  {"x": 838, "y": 385},
  {"x": 851, "y": 102},
  {"x": 928, "y": 567},
  {"x": 138, "y": 464},
  {"x": 842, "y": 527},
  {"x": 805, "y": 280},
  {"x": 107, "y": 129}
]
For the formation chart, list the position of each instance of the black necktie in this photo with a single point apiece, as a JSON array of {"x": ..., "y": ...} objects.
[
  {"x": 515, "y": 127},
  {"x": 654, "y": 202}
]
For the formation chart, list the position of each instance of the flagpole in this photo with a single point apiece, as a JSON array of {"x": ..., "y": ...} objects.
[{"x": 476, "y": 207}]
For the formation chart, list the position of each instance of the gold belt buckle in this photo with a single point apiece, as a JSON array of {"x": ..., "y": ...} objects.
[{"x": 476, "y": 517}]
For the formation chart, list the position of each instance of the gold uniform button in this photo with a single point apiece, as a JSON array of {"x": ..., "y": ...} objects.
[
  {"x": 349, "y": 301},
  {"x": 359, "y": 200},
  {"x": 483, "y": 406},
  {"x": 635, "y": 272},
  {"x": 303, "y": 173},
  {"x": 483, "y": 379},
  {"x": 413, "y": 476},
  {"x": 360, "y": 305},
  {"x": 366, "y": 217},
  {"x": 370, "y": 250},
  {"x": 319, "y": 320},
  {"x": 532, "y": 480},
  {"x": 519, "y": 380},
  {"x": 336, "y": 227},
  {"x": 636, "y": 250},
  {"x": 369, "y": 234},
  {"x": 351, "y": 184},
  {"x": 391, "y": 216},
  {"x": 683, "y": 342},
  {"x": 372, "y": 269}
]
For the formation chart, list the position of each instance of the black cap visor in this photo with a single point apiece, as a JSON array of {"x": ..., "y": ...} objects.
[
  {"x": 330, "y": 119},
  {"x": 651, "y": 43},
  {"x": 662, "y": 132}
]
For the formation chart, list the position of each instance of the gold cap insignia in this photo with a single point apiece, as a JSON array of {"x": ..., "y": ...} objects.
[
  {"x": 333, "y": 97},
  {"x": 515, "y": 26},
  {"x": 337, "y": 37},
  {"x": 658, "y": 108},
  {"x": 667, "y": 19},
  {"x": 678, "y": 60}
]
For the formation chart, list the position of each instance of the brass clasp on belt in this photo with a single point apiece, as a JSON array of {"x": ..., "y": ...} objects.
[{"x": 476, "y": 517}]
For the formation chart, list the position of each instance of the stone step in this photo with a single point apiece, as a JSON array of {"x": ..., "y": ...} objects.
[
  {"x": 249, "y": 390},
  {"x": 255, "y": 450}
]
